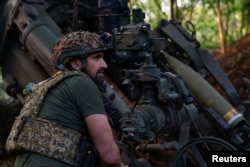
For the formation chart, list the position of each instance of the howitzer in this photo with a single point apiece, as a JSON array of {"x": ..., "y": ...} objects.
[
  {"x": 188, "y": 100},
  {"x": 165, "y": 101}
]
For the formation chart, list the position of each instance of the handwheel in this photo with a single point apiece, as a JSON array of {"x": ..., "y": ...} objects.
[{"x": 195, "y": 149}]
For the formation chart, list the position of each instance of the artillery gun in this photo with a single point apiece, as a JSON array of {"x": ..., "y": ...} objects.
[{"x": 157, "y": 79}]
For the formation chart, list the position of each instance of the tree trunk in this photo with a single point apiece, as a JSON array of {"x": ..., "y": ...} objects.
[
  {"x": 220, "y": 27},
  {"x": 171, "y": 9}
]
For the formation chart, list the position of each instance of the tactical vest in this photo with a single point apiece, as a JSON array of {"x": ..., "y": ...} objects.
[{"x": 39, "y": 135}]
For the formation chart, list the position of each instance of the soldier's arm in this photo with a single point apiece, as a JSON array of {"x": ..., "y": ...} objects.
[{"x": 102, "y": 137}]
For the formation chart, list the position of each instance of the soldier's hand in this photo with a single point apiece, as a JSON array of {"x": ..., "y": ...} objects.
[{"x": 123, "y": 165}]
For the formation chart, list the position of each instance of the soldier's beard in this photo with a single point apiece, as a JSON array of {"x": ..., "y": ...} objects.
[{"x": 98, "y": 78}]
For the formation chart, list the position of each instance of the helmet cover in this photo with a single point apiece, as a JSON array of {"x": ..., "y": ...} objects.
[{"x": 75, "y": 44}]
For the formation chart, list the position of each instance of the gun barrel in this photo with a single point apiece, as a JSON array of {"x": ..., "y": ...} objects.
[
  {"x": 40, "y": 40},
  {"x": 204, "y": 92}
]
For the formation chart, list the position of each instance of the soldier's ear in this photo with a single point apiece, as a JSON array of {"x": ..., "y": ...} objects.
[{"x": 76, "y": 64}]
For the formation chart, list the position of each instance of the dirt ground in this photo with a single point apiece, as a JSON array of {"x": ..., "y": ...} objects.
[{"x": 236, "y": 61}]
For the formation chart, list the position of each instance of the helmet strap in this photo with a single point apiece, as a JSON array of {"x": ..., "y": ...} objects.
[{"x": 84, "y": 65}]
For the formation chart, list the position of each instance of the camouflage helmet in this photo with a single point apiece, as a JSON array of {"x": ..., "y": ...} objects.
[{"x": 78, "y": 44}]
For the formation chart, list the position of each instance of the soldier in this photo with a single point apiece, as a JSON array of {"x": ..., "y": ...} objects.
[{"x": 72, "y": 105}]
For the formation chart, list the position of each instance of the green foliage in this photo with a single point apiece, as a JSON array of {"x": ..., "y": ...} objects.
[
  {"x": 202, "y": 13},
  {"x": 153, "y": 10},
  {"x": 239, "y": 57}
]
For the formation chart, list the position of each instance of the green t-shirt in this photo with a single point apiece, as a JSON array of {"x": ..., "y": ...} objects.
[
  {"x": 67, "y": 104},
  {"x": 72, "y": 100}
]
